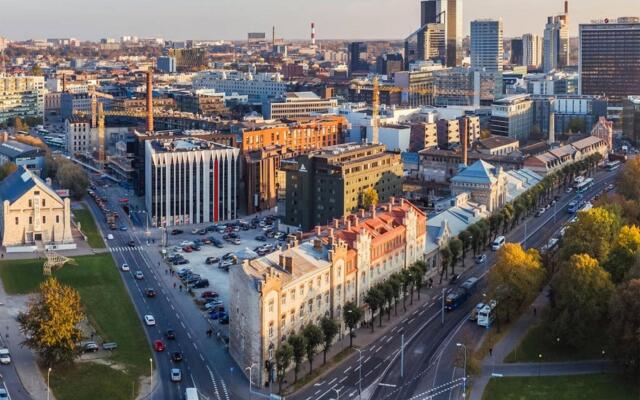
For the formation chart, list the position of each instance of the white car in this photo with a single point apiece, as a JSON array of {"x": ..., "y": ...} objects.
[
  {"x": 4, "y": 395},
  {"x": 139, "y": 275},
  {"x": 5, "y": 357},
  {"x": 185, "y": 243},
  {"x": 110, "y": 237},
  {"x": 176, "y": 375},
  {"x": 125, "y": 267},
  {"x": 149, "y": 320}
]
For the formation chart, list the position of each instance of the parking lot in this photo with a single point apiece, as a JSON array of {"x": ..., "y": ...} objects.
[{"x": 211, "y": 250}]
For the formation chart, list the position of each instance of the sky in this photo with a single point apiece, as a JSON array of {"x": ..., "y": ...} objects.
[{"x": 232, "y": 19}]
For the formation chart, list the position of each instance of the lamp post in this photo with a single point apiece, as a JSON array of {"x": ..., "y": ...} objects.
[
  {"x": 48, "y": 387},
  {"x": 359, "y": 372},
  {"x": 250, "y": 368},
  {"x": 464, "y": 379},
  {"x": 150, "y": 378}
]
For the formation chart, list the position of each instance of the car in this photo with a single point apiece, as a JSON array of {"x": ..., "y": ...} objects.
[
  {"x": 224, "y": 320},
  {"x": 569, "y": 190},
  {"x": 123, "y": 228},
  {"x": 216, "y": 314},
  {"x": 158, "y": 345},
  {"x": 138, "y": 275},
  {"x": 176, "y": 375},
  {"x": 110, "y": 346},
  {"x": 5, "y": 356},
  {"x": 225, "y": 264},
  {"x": 279, "y": 236},
  {"x": 150, "y": 293},
  {"x": 610, "y": 187},
  {"x": 4, "y": 395},
  {"x": 209, "y": 295},
  {"x": 202, "y": 232},
  {"x": 170, "y": 334},
  {"x": 213, "y": 304},
  {"x": 481, "y": 258},
  {"x": 195, "y": 231},
  {"x": 177, "y": 356},
  {"x": 201, "y": 284},
  {"x": 474, "y": 313},
  {"x": 211, "y": 228},
  {"x": 212, "y": 260},
  {"x": 193, "y": 279},
  {"x": 131, "y": 243},
  {"x": 177, "y": 232},
  {"x": 109, "y": 237},
  {"x": 454, "y": 279},
  {"x": 187, "y": 249},
  {"x": 181, "y": 261},
  {"x": 90, "y": 347},
  {"x": 261, "y": 238},
  {"x": 196, "y": 248},
  {"x": 541, "y": 211},
  {"x": 228, "y": 256},
  {"x": 235, "y": 241},
  {"x": 186, "y": 243},
  {"x": 149, "y": 320},
  {"x": 124, "y": 267}
]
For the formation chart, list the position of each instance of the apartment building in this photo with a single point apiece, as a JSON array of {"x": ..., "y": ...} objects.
[
  {"x": 21, "y": 96},
  {"x": 512, "y": 117},
  {"x": 555, "y": 159},
  {"x": 260, "y": 88},
  {"x": 299, "y": 104},
  {"x": 315, "y": 274},
  {"x": 329, "y": 183},
  {"x": 81, "y": 138}
]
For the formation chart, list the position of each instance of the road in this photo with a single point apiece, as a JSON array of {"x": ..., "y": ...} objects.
[{"x": 424, "y": 332}]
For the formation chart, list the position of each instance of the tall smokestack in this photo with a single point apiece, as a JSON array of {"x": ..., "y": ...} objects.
[
  {"x": 313, "y": 33},
  {"x": 273, "y": 36},
  {"x": 464, "y": 138},
  {"x": 149, "y": 100}
]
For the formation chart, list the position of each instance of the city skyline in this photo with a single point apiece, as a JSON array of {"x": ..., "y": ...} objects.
[{"x": 199, "y": 19}]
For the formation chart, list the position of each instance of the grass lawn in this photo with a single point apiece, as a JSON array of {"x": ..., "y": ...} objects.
[
  {"x": 539, "y": 341},
  {"x": 582, "y": 387},
  {"x": 88, "y": 225},
  {"x": 111, "y": 313}
]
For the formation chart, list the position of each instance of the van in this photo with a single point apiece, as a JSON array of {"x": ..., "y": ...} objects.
[
  {"x": 498, "y": 243},
  {"x": 110, "y": 237},
  {"x": 191, "y": 394}
]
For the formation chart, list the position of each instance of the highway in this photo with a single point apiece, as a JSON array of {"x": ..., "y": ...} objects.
[{"x": 423, "y": 329}]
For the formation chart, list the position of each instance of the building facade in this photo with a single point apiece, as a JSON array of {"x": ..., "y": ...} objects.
[
  {"x": 21, "y": 96},
  {"x": 487, "y": 49},
  {"x": 275, "y": 296},
  {"x": 631, "y": 118},
  {"x": 190, "y": 181},
  {"x": 166, "y": 64},
  {"x": 81, "y": 137},
  {"x": 556, "y": 41},
  {"x": 512, "y": 116},
  {"x": 260, "y": 88},
  {"x": 21, "y": 154},
  {"x": 486, "y": 184},
  {"x": 299, "y": 104}
]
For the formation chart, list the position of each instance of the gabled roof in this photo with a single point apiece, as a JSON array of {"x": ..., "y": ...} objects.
[
  {"x": 478, "y": 172},
  {"x": 20, "y": 182}
]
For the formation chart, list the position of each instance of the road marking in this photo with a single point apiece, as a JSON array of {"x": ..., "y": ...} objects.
[
  {"x": 347, "y": 370},
  {"x": 172, "y": 307},
  {"x": 410, "y": 321},
  {"x": 177, "y": 316},
  {"x": 189, "y": 335},
  {"x": 331, "y": 381},
  {"x": 182, "y": 323},
  {"x": 201, "y": 357},
  {"x": 343, "y": 379},
  {"x": 378, "y": 349},
  {"x": 318, "y": 383},
  {"x": 215, "y": 385},
  {"x": 317, "y": 391},
  {"x": 383, "y": 338},
  {"x": 390, "y": 339},
  {"x": 394, "y": 328},
  {"x": 353, "y": 393},
  {"x": 195, "y": 346},
  {"x": 224, "y": 389},
  {"x": 367, "y": 359},
  {"x": 387, "y": 358},
  {"x": 356, "y": 369},
  {"x": 422, "y": 312},
  {"x": 368, "y": 373}
]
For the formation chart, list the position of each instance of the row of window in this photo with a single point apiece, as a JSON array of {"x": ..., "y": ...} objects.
[{"x": 44, "y": 220}]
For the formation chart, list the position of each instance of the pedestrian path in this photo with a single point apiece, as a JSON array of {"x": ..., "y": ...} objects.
[{"x": 126, "y": 248}]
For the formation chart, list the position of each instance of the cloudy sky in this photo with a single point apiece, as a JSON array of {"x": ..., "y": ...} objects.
[{"x": 232, "y": 19}]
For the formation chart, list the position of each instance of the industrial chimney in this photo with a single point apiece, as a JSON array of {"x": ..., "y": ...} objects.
[
  {"x": 150, "y": 100},
  {"x": 313, "y": 34}
]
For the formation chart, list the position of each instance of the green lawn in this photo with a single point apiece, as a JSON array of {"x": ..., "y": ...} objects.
[
  {"x": 111, "y": 313},
  {"x": 576, "y": 387},
  {"x": 89, "y": 228},
  {"x": 539, "y": 341}
]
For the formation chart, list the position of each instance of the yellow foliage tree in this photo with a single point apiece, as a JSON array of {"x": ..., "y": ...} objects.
[
  {"x": 593, "y": 234},
  {"x": 369, "y": 198},
  {"x": 629, "y": 179},
  {"x": 624, "y": 254},
  {"x": 51, "y": 322}
]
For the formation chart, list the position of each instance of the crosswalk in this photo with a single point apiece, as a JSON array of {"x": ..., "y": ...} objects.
[{"x": 125, "y": 248}]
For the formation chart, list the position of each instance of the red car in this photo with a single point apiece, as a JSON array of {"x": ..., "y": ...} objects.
[
  {"x": 158, "y": 345},
  {"x": 209, "y": 295},
  {"x": 187, "y": 249}
]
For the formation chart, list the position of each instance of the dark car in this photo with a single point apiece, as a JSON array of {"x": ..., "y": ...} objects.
[
  {"x": 177, "y": 356},
  {"x": 181, "y": 261},
  {"x": 177, "y": 231},
  {"x": 170, "y": 334},
  {"x": 454, "y": 279},
  {"x": 201, "y": 284},
  {"x": 261, "y": 238},
  {"x": 217, "y": 314},
  {"x": 212, "y": 260},
  {"x": 150, "y": 293},
  {"x": 195, "y": 247},
  {"x": 211, "y": 228},
  {"x": 228, "y": 256},
  {"x": 224, "y": 320},
  {"x": 131, "y": 243}
]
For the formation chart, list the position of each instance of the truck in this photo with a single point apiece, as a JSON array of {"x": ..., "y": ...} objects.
[
  {"x": 487, "y": 314},
  {"x": 458, "y": 296}
]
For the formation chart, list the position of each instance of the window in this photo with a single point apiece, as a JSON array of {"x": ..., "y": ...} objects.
[
  {"x": 293, "y": 294},
  {"x": 310, "y": 304},
  {"x": 44, "y": 202},
  {"x": 271, "y": 306},
  {"x": 301, "y": 311},
  {"x": 30, "y": 204},
  {"x": 301, "y": 290},
  {"x": 57, "y": 219},
  {"x": 271, "y": 329},
  {"x": 44, "y": 219},
  {"x": 284, "y": 299},
  {"x": 30, "y": 220},
  {"x": 17, "y": 221}
]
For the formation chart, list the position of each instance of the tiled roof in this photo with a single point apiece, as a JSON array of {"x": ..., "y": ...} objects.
[{"x": 478, "y": 172}]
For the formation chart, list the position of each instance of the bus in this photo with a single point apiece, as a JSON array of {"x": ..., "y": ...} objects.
[
  {"x": 584, "y": 185},
  {"x": 613, "y": 165}
]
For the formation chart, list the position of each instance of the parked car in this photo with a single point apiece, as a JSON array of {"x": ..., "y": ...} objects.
[
  {"x": 209, "y": 295},
  {"x": 90, "y": 347},
  {"x": 177, "y": 232},
  {"x": 131, "y": 243},
  {"x": 139, "y": 275},
  {"x": 202, "y": 232},
  {"x": 110, "y": 346},
  {"x": 454, "y": 279},
  {"x": 177, "y": 356},
  {"x": 186, "y": 243},
  {"x": 196, "y": 247},
  {"x": 224, "y": 320},
  {"x": 170, "y": 334},
  {"x": 195, "y": 231},
  {"x": 123, "y": 228},
  {"x": 149, "y": 320},
  {"x": 216, "y": 314},
  {"x": 176, "y": 375},
  {"x": 201, "y": 284},
  {"x": 124, "y": 267},
  {"x": 235, "y": 241},
  {"x": 5, "y": 356},
  {"x": 212, "y": 304},
  {"x": 261, "y": 238},
  {"x": 481, "y": 258},
  {"x": 150, "y": 293},
  {"x": 212, "y": 260},
  {"x": 158, "y": 345},
  {"x": 187, "y": 249},
  {"x": 541, "y": 211},
  {"x": 181, "y": 261}
]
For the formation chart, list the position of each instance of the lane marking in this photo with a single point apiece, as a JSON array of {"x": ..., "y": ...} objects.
[
  {"x": 331, "y": 381},
  {"x": 347, "y": 370},
  {"x": 343, "y": 379}
]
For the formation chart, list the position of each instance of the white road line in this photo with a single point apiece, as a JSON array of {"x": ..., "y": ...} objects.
[
  {"x": 201, "y": 357},
  {"x": 368, "y": 373},
  {"x": 410, "y": 321},
  {"x": 309, "y": 398},
  {"x": 172, "y": 307},
  {"x": 343, "y": 379},
  {"x": 387, "y": 358},
  {"x": 319, "y": 383},
  {"x": 353, "y": 393},
  {"x": 189, "y": 335},
  {"x": 331, "y": 381},
  {"x": 378, "y": 349},
  {"x": 346, "y": 370},
  {"x": 224, "y": 389},
  {"x": 367, "y": 359},
  {"x": 422, "y": 312},
  {"x": 356, "y": 369},
  {"x": 390, "y": 339},
  {"x": 195, "y": 346},
  {"x": 383, "y": 338},
  {"x": 317, "y": 391},
  {"x": 394, "y": 328}
]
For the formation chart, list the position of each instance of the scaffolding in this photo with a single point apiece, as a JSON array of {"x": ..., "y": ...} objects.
[{"x": 54, "y": 261}]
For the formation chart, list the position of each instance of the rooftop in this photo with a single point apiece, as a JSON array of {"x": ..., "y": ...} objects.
[
  {"x": 495, "y": 141},
  {"x": 293, "y": 96},
  {"x": 176, "y": 145}
]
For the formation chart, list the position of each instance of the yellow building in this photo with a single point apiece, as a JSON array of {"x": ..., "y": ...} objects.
[{"x": 33, "y": 216}]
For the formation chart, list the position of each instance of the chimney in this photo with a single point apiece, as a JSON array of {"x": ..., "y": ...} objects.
[
  {"x": 402, "y": 201},
  {"x": 288, "y": 264},
  {"x": 331, "y": 233},
  {"x": 348, "y": 224},
  {"x": 317, "y": 244},
  {"x": 5, "y": 136},
  {"x": 318, "y": 230},
  {"x": 64, "y": 83},
  {"x": 373, "y": 211},
  {"x": 313, "y": 33},
  {"x": 273, "y": 36},
  {"x": 356, "y": 220},
  {"x": 392, "y": 200},
  {"x": 464, "y": 138},
  {"x": 149, "y": 100},
  {"x": 566, "y": 8},
  {"x": 363, "y": 213},
  {"x": 336, "y": 223}
]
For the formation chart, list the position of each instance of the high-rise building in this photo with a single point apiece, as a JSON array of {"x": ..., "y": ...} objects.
[
  {"x": 21, "y": 96},
  {"x": 512, "y": 116},
  {"x": 427, "y": 43},
  {"x": 358, "y": 58},
  {"x": 556, "y": 41},
  {"x": 631, "y": 118},
  {"x": 449, "y": 13},
  {"x": 609, "y": 62},
  {"x": 389, "y": 63},
  {"x": 486, "y": 45},
  {"x": 531, "y": 50},
  {"x": 190, "y": 59},
  {"x": 517, "y": 52},
  {"x": 166, "y": 64}
]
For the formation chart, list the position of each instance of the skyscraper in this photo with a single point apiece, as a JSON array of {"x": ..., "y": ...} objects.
[
  {"x": 449, "y": 13},
  {"x": 516, "y": 52},
  {"x": 486, "y": 45},
  {"x": 531, "y": 50},
  {"x": 609, "y": 62},
  {"x": 357, "y": 63},
  {"x": 556, "y": 41}
]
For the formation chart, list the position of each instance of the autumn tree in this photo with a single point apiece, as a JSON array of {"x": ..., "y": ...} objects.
[
  {"x": 330, "y": 329},
  {"x": 73, "y": 177},
  {"x": 50, "y": 323},
  {"x": 284, "y": 354},
  {"x": 629, "y": 179},
  {"x": 593, "y": 234},
  {"x": 515, "y": 279},
  {"x": 624, "y": 253},
  {"x": 351, "y": 314},
  {"x": 581, "y": 293},
  {"x": 313, "y": 335},
  {"x": 298, "y": 345},
  {"x": 369, "y": 198},
  {"x": 624, "y": 324},
  {"x": 7, "y": 169}
]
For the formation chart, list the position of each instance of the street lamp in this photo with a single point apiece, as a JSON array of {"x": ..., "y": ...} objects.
[
  {"x": 359, "y": 372},
  {"x": 150, "y": 378},
  {"x": 250, "y": 368},
  {"x": 48, "y": 387},
  {"x": 464, "y": 379}
]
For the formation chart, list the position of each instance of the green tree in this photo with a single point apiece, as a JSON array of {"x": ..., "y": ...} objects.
[
  {"x": 476, "y": 238},
  {"x": 466, "y": 239},
  {"x": 445, "y": 260},
  {"x": 455, "y": 246},
  {"x": 624, "y": 324},
  {"x": 73, "y": 177},
  {"x": 593, "y": 234},
  {"x": 36, "y": 70},
  {"x": 387, "y": 292},
  {"x": 369, "y": 198},
  {"x": 624, "y": 253},
  {"x": 408, "y": 277},
  {"x": 298, "y": 344},
  {"x": 581, "y": 293},
  {"x": 395, "y": 280},
  {"x": 284, "y": 354},
  {"x": 515, "y": 279},
  {"x": 417, "y": 271},
  {"x": 313, "y": 335},
  {"x": 19, "y": 125},
  {"x": 373, "y": 298},
  {"x": 351, "y": 314},
  {"x": 628, "y": 181},
  {"x": 51, "y": 321},
  {"x": 330, "y": 329}
]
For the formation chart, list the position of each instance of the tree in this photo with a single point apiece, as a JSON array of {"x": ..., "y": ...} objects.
[
  {"x": 372, "y": 299},
  {"x": 408, "y": 277},
  {"x": 330, "y": 329},
  {"x": 445, "y": 260},
  {"x": 19, "y": 125},
  {"x": 624, "y": 253},
  {"x": 387, "y": 292},
  {"x": 581, "y": 291},
  {"x": 474, "y": 231},
  {"x": 495, "y": 221},
  {"x": 455, "y": 246},
  {"x": 369, "y": 198},
  {"x": 396, "y": 284},
  {"x": 466, "y": 239},
  {"x": 313, "y": 335},
  {"x": 284, "y": 354},
  {"x": 417, "y": 271},
  {"x": 351, "y": 314},
  {"x": 576, "y": 125},
  {"x": 515, "y": 279},
  {"x": 73, "y": 177},
  {"x": 7, "y": 169},
  {"x": 628, "y": 182},
  {"x": 50, "y": 323},
  {"x": 298, "y": 345},
  {"x": 36, "y": 70},
  {"x": 593, "y": 234},
  {"x": 624, "y": 324}
]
